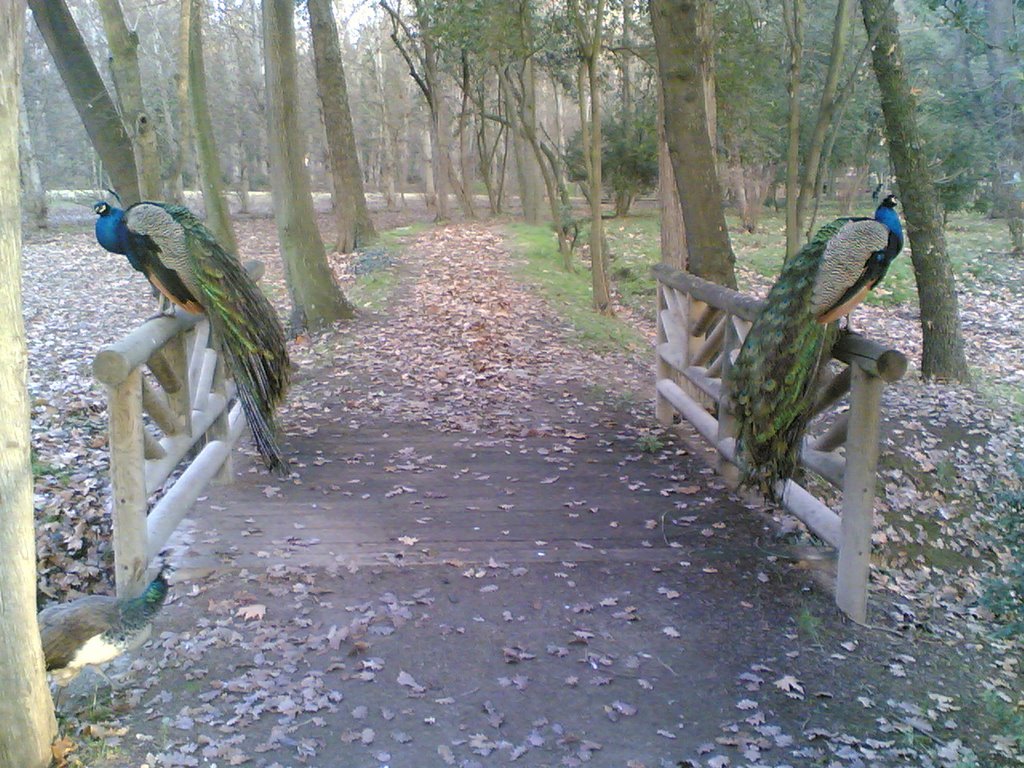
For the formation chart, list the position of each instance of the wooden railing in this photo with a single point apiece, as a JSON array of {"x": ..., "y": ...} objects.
[
  {"x": 701, "y": 326},
  {"x": 168, "y": 394}
]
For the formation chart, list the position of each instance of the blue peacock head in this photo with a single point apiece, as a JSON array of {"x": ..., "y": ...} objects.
[
  {"x": 887, "y": 215},
  {"x": 111, "y": 231}
]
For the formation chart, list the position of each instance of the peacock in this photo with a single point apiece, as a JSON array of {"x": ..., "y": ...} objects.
[
  {"x": 93, "y": 630},
  {"x": 790, "y": 342},
  {"x": 184, "y": 261}
]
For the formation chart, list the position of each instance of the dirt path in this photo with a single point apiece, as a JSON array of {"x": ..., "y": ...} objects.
[{"x": 487, "y": 557}]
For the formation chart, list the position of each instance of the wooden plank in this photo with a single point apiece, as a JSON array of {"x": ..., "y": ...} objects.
[
  {"x": 859, "y": 495},
  {"x": 809, "y": 510},
  {"x": 127, "y": 478},
  {"x": 672, "y": 356}
]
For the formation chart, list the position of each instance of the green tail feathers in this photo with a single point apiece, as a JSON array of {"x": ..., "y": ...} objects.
[
  {"x": 251, "y": 336},
  {"x": 771, "y": 382}
]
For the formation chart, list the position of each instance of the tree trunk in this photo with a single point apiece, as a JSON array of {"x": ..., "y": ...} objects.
[
  {"x": 794, "y": 20},
  {"x": 124, "y": 66},
  {"x": 218, "y": 216},
  {"x": 1005, "y": 75},
  {"x": 677, "y": 36},
  {"x": 943, "y": 355},
  {"x": 183, "y": 161},
  {"x": 34, "y": 193},
  {"x": 599, "y": 269},
  {"x": 317, "y": 300},
  {"x": 94, "y": 105},
  {"x": 673, "y": 231},
  {"x": 351, "y": 215},
  {"x": 531, "y": 194},
  {"x": 26, "y": 710},
  {"x": 825, "y": 120}
]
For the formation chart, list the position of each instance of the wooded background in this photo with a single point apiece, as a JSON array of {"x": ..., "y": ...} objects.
[{"x": 480, "y": 64}]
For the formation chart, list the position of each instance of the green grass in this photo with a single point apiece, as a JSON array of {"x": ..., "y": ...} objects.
[
  {"x": 569, "y": 292},
  {"x": 372, "y": 290}
]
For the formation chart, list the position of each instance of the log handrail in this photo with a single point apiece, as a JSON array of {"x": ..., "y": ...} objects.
[
  {"x": 167, "y": 393},
  {"x": 701, "y": 326}
]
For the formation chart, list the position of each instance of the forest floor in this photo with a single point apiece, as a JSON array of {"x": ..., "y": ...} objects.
[{"x": 487, "y": 554}]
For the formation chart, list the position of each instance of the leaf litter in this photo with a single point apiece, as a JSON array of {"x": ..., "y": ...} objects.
[{"x": 476, "y": 349}]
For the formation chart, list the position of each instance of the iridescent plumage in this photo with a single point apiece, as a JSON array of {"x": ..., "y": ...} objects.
[
  {"x": 95, "y": 629},
  {"x": 184, "y": 261},
  {"x": 771, "y": 382}
]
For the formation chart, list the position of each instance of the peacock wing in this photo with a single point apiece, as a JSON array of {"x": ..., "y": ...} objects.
[
  {"x": 66, "y": 627},
  {"x": 158, "y": 244},
  {"x": 848, "y": 269}
]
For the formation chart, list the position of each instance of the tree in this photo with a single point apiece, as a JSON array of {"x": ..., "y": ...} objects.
[
  {"x": 218, "y": 217},
  {"x": 350, "y": 212},
  {"x": 26, "y": 711},
  {"x": 317, "y": 300},
  {"x": 419, "y": 47},
  {"x": 681, "y": 39},
  {"x": 943, "y": 354},
  {"x": 34, "y": 194},
  {"x": 92, "y": 101},
  {"x": 1003, "y": 55},
  {"x": 588, "y": 28},
  {"x": 124, "y": 65}
]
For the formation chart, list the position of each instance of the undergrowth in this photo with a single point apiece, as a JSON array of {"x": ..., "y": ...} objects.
[{"x": 1003, "y": 591}]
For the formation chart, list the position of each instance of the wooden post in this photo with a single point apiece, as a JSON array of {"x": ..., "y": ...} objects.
[
  {"x": 859, "y": 494},
  {"x": 663, "y": 410},
  {"x": 221, "y": 427},
  {"x": 128, "y": 481},
  {"x": 726, "y": 420},
  {"x": 177, "y": 360}
]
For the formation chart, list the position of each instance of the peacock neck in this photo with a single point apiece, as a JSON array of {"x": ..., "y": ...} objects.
[
  {"x": 112, "y": 233},
  {"x": 891, "y": 219}
]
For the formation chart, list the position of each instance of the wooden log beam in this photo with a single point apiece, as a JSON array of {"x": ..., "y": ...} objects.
[
  {"x": 712, "y": 344},
  {"x": 151, "y": 448},
  {"x": 731, "y": 301},
  {"x": 164, "y": 371},
  {"x": 834, "y": 436},
  {"x": 707, "y": 315},
  {"x": 832, "y": 390},
  {"x": 167, "y": 514},
  {"x": 852, "y": 348},
  {"x": 871, "y": 357},
  {"x": 176, "y": 447},
  {"x": 113, "y": 364},
  {"x": 155, "y": 403}
]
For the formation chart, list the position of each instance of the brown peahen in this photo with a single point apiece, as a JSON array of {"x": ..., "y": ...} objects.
[
  {"x": 93, "y": 630},
  {"x": 184, "y": 261},
  {"x": 790, "y": 342}
]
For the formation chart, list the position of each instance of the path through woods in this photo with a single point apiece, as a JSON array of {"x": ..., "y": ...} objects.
[{"x": 478, "y": 563}]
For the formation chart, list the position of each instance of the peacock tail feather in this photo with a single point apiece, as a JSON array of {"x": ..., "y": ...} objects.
[
  {"x": 251, "y": 336},
  {"x": 771, "y": 382}
]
